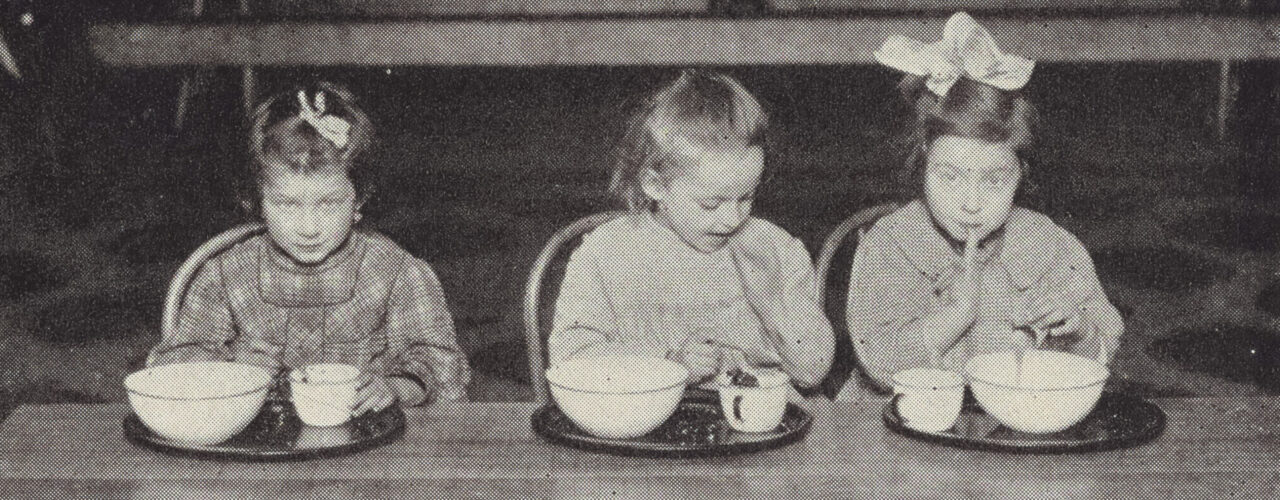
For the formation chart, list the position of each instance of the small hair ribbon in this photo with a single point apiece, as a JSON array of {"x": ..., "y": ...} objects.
[
  {"x": 330, "y": 127},
  {"x": 966, "y": 50}
]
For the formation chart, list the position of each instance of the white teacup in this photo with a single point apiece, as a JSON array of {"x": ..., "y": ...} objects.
[
  {"x": 324, "y": 394},
  {"x": 928, "y": 399},
  {"x": 755, "y": 409}
]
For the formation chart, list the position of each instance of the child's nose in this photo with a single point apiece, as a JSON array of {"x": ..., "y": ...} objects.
[
  {"x": 729, "y": 215},
  {"x": 972, "y": 202},
  {"x": 309, "y": 225}
]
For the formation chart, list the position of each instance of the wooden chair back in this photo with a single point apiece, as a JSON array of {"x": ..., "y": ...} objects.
[
  {"x": 536, "y": 332},
  {"x": 838, "y": 257},
  {"x": 181, "y": 280}
]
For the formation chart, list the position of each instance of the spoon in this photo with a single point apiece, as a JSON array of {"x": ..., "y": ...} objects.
[
  {"x": 1041, "y": 334},
  {"x": 1022, "y": 354}
]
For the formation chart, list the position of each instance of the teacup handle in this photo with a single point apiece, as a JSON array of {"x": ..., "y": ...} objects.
[
  {"x": 737, "y": 410},
  {"x": 893, "y": 404},
  {"x": 1094, "y": 333}
]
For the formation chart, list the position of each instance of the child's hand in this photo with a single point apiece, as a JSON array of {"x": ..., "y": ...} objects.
[
  {"x": 701, "y": 358},
  {"x": 373, "y": 394},
  {"x": 1052, "y": 316}
]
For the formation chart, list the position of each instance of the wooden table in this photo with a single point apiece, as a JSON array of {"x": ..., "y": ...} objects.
[{"x": 1212, "y": 448}]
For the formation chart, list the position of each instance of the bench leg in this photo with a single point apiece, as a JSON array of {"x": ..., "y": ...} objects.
[
  {"x": 1228, "y": 91},
  {"x": 249, "y": 80}
]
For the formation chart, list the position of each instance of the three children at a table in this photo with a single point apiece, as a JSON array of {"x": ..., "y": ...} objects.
[{"x": 687, "y": 274}]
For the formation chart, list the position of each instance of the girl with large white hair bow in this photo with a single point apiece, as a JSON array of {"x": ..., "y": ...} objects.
[{"x": 960, "y": 270}]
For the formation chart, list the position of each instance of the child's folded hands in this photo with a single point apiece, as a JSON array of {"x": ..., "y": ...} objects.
[{"x": 965, "y": 288}]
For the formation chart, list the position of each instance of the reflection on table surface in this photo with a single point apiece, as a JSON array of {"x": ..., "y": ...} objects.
[{"x": 1211, "y": 447}]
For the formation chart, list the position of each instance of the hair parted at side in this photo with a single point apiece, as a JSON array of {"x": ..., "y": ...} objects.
[
  {"x": 970, "y": 109},
  {"x": 280, "y": 136},
  {"x": 699, "y": 111}
]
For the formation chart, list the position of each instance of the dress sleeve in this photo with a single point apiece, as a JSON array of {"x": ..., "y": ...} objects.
[
  {"x": 419, "y": 318},
  {"x": 205, "y": 324},
  {"x": 807, "y": 341},
  {"x": 886, "y": 296},
  {"x": 584, "y": 321},
  {"x": 1075, "y": 282}
]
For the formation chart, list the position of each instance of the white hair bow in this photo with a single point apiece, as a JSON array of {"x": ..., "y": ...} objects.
[
  {"x": 966, "y": 49},
  {"x": 330, "y": 127}
]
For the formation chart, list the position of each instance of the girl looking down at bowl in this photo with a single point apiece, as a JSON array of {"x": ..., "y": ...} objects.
[
  {"x": 316, "y": 288},
  {"x": 960, "y": 271},
  {"x": 688, "y": 274}
]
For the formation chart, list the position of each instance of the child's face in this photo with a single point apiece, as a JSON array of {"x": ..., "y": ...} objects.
[
  {"x": 308, "y": 215},
  {"x": 708, "y": 200},
  {"x": 969, "y": 184}
]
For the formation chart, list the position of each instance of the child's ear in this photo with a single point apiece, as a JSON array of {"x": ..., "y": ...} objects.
[{"x": 653, "y": 185}]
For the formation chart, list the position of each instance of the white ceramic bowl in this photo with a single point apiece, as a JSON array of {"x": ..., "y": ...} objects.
[
  {"x": 1056, "y": 389},
  {"x": 618, "y": 397},
  {"x": 200, "y": 403}
]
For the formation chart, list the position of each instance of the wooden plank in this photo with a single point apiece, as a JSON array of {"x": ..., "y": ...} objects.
[
  {"x": 670, "y": 41},
  {"x": 412, "y": 8},
  {"x": 973, "y": 5}
]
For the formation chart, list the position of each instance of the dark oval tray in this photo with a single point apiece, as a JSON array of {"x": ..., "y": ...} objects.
[
  {"x": 277, "y": 434},
  {"x": 696, "y": 429},
  {"x": 1117, "y": 421}
]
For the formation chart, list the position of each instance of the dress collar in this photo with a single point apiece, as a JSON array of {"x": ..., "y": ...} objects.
[
  {"x": 285, "y": 283},
  {"x": 663, "y": 236}
]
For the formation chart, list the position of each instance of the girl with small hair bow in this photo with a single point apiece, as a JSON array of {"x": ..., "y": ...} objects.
[
  {"x": 316, "y": 288},
  {"x": 960, "y": 271}
]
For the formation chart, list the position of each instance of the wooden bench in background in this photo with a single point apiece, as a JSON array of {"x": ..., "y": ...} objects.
[{"x": 680, "y": 32}]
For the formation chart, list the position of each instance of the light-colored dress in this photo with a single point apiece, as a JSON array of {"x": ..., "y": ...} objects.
[
  {"x": 371, "y": 304},
  {"x": 904, "y": 268},
  {"x": 634, "y": 287}
]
